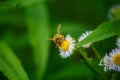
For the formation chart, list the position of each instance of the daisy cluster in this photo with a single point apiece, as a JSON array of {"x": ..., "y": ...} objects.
[
  {"x": 68, "y": 45},
  {"x": 111, "y": 61}
]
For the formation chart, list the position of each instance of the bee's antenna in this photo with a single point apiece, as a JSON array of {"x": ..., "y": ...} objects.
[
  {"x": 49, "y": 39},
  {"x": 58, "y": 28}
]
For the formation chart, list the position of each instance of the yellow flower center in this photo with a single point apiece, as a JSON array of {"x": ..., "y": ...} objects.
[
  {"x": 65, "y": 45},
  {"x": 116, "y": 59}
]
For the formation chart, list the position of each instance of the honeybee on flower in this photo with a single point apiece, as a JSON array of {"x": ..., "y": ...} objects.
[{"x": 66, "y": 45}]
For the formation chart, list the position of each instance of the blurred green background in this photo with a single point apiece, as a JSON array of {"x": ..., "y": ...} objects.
[{"x": 26, "y": 24}]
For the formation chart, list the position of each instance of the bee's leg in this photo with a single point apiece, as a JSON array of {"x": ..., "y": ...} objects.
[{"x": 57, "y": 45}]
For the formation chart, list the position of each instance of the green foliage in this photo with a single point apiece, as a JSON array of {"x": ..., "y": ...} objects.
[
  {"x": 38, "y": 31},
  {"x": 105, "y": 30},
  {"x": 25, "y": 25},
  {"x": 10, "y": 64}
]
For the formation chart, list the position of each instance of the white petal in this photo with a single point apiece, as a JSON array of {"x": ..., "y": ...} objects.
[
  {"x": 83, "y": 36},
  {"x": 118, "y": 42}
]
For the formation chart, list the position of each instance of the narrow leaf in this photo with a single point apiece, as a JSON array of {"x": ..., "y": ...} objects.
[
  {"x": 103, "y": 31},
  {"x": 37, "y": 22},
  {"x": 10, "y": 64}
]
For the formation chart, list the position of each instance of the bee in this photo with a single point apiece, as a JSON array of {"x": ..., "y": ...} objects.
[{"x": 58, "y": 38}]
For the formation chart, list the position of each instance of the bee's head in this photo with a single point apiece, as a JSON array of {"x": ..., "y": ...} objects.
[{"x": 58, "y": 39}]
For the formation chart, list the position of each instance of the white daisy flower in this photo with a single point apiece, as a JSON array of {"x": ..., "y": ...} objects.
[
  {"x": 115, "y": 57},
  {"x": 83, "y": 36},
  {"x": 118, "y": 42},
  {"x": 67, "y": 47},
  {"x": 106, "y": 62},
  {"x": 112, "y": 61}
]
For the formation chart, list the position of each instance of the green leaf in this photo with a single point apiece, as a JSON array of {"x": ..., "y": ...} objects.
[
  {"x": 37, "y": 22},
  {"x": 10, "y": 64},
  {"x": 103, "y": 31}
]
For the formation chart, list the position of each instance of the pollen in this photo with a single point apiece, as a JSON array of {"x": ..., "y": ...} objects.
[
  {"x": 65, "y": 45},
  {"x": 116, "y": 59}
]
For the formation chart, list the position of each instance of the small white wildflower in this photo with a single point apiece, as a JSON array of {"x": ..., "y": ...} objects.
[
  {"x": 111, "y": 61},
  {"x": 67, "y": 47},
  {"x": 118, "y": 42},
  {"x": 106, "y": 62},
  {"x": 83, "y": 36},
  {"x": 115, "y": 57}
]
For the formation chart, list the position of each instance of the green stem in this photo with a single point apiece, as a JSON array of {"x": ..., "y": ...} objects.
[
  {"x": 96, "y": 52},
  {"x": 113, "y": 76},
  {"x": 97, "y": 71},
  {"x": 84, "y": 54}
]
